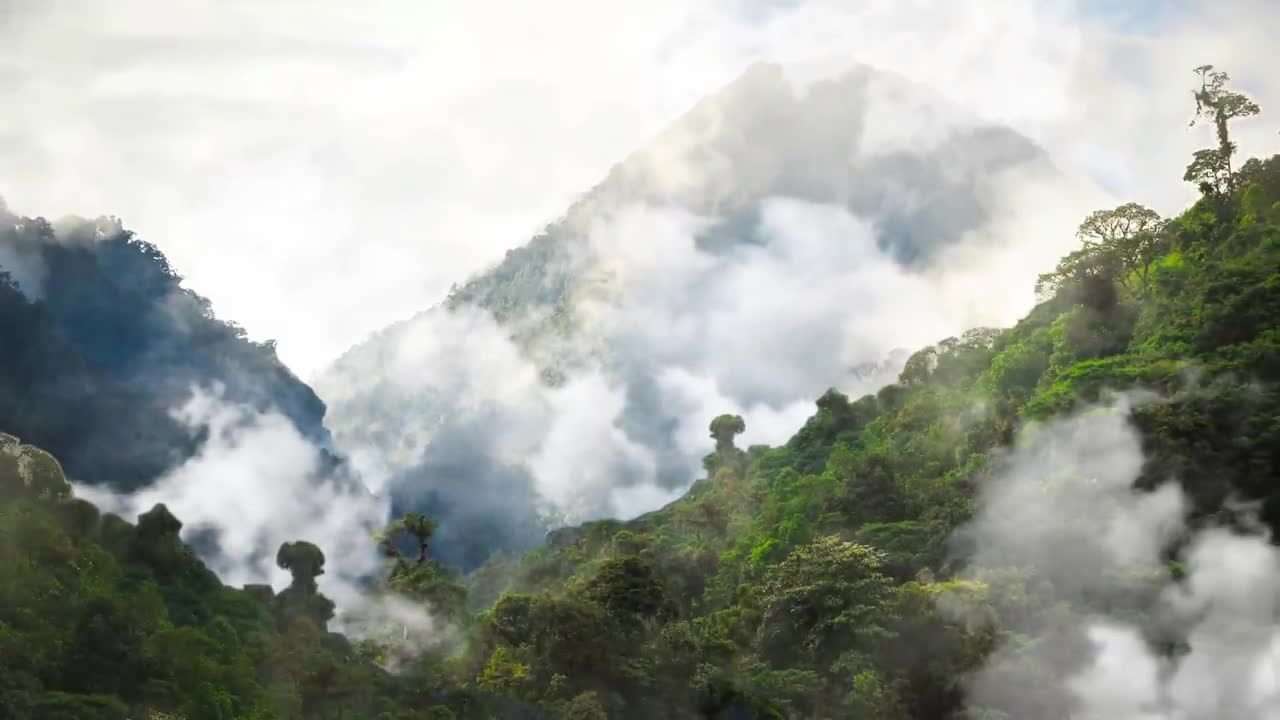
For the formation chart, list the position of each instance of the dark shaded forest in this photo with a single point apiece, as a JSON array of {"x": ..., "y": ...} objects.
[
  {"x": 756, "y": 141},
  {"x": 835, "y": 576},
  {"x": 100, "y": 342}
]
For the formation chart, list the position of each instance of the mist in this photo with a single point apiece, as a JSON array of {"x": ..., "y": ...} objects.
[
  {"x": 257, "y": 482},
  {"x": 772, "y": 244},
  {"x": 432, "y": 137},
  {"x": 1061, "y": 521},
  {"x": 809, "y": 222},
  {"x": 381, "y": 160}
]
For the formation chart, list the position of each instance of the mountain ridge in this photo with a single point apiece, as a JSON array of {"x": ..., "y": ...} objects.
[
  {"x": 106, "y": 328},
  {"x": 722, "y": 161},
  {"x": 884, "y": 562}
]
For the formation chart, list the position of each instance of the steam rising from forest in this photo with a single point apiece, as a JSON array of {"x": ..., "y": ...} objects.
[
  {"x": 1064, "y": 502},
  {"x": 254, "y": 484},
  {"x": 702, "y": 309},
  {"x": 257, "y": 483}
]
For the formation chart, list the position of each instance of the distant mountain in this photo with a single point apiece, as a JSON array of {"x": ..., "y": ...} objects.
[
  {"x": 840, "y": 143},
  {"x": 99, "y": 342}
]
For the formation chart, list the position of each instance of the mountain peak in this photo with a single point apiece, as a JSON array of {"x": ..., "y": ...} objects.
[{"x": 725, "y": 163}]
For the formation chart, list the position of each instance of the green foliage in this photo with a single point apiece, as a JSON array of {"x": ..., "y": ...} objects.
[
  {"x": 629, "y": 588},
  {"x": 585, "y": 706},
  {"x": 819, "y": 579},
  {"x": 724, "y": 428},
  {"x": 102, "y": 619},
  {"x": 1215, "y": 103},
  {"x": 824, "y": 598},
  {"x": 413, "y": 527},
  {"x": 417, "y": 577}
]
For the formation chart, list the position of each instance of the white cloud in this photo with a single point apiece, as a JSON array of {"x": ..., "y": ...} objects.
[
  {"x": 257, "y": 483},
  {"x": 322, "y": 169},
  {"x": 1123, "y": 683},
  {"x": 1063, "y": 504},
  {"x": 584, "y": 454},
  {"x": 444, "y": 376},
  {"x": 677, "y": 333}
]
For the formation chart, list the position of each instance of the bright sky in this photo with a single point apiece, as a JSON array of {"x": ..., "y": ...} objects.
[{"x": 321, "y": 168}]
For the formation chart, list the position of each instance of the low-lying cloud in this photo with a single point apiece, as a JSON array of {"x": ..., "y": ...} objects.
[
  {"x": 433, "y": 136},
  {"x": 257, "y": 483},
  {"x": 1077, "y": 561},
  {"x": 672, "y": 318}
]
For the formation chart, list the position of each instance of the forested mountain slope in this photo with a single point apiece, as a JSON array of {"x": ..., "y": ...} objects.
[
  {"x": 101, "y": 342},
  {"x": 445, "y": 422},
  {"x": 102, "y": 620},
  {"x": 816, "y": 578},
  {"x": 1025, "y": 516},
  {"x": 849, "y": 573}
]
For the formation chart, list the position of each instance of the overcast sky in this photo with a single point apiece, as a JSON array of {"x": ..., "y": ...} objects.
[{"x": 320, "y": 168}]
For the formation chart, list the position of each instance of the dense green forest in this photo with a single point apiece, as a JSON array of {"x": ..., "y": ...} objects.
[
  {"x": 752, "y": 143},
  {"x": 826, "y": 578}
]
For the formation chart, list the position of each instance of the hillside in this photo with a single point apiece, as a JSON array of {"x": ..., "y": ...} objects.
[
  {"x": 101, "y": 343},
  {"x": 615, "y": 299},
  {"x": 102, "y": 619},
  {"x": 1024, "y": 516},
  {"x": 962, "y": 537}
]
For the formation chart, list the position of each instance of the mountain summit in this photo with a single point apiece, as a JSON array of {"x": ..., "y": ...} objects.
[
  {"x": 487, "y": 401},
  {"x": 102, "y": 343}
]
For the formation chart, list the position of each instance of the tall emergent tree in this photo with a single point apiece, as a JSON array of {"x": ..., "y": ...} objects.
[
  {"x": 412, "y": 526},
  {"x": 1211, "y": 168},
  {"x": 1117, "y": 245},
  {"x": 724, "y": 428},
  {"x": 417, "y": 576},
  {"x": 305, "y": 562},
  {"x": 1129, "y": 236},
  {"x": 727, "y": 455}
]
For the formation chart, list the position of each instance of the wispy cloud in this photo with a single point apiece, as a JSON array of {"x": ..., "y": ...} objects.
[
  {"x": 319, "y": 172},
  {"x": 257, "y": 483},
  {"x": 254, "y": 484},
  {"x": 1074, "y": 552}
]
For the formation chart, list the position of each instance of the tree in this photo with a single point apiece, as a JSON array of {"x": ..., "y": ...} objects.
[
  {"x": 871, "y": 698},
  {"x": 1210, "y": 170},
  {"x": 155, "y": 540},
  {"x": 1215, "y": 103},
  {"x": 421, "y": 578},
  {"x": 866, "y": 485},
  {"x": 726, "y": 455},
  {"x": 724, "y": 428},
  {"x": 1088, "y": 266},
  {"x": 79, "y": 516},
  {"x": 631, "y": 590},
  {"x": 1115, "y": 244},
  {"x": 416, "y": 527},
  {"x": 919, "y": 366},
  {"x": 1128, "y": 238},
  {"x": 158, "y": 522},
  {"x": 825, "y": 598},
  {"x": 585, "y": 706},
  {"x": 305, "y": 562},
  {"x": 505, "y": 673}
]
